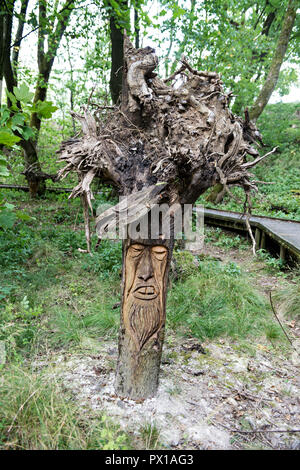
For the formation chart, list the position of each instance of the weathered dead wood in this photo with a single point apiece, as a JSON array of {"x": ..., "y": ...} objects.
[
  {"x": 145, "y": 274},
  {"x": 182, "y": 136}
]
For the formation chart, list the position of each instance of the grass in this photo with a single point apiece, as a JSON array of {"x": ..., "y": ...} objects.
[
  {"x": 36, "y": 414},
  {"x": 288, "y": 300},
  {"x": 224, "y": 239},
  {"x": 218, "y": 301},
  {"x": 149, "y": 434}
]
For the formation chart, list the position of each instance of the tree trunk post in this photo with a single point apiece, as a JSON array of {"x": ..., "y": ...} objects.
[
  {"x": 282, "y": 255},
  {"x": 257, "y": 237},
  {"x": 263, "y": 241},
  {"x": 146, "y": 266}
]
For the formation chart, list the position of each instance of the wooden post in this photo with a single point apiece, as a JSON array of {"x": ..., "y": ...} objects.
[
  {"x": 263, "y": 241},
  {"x": 257, "y": 237},
  {"x": 282, "y": 253},
  {"x": 145, "y": 275}
]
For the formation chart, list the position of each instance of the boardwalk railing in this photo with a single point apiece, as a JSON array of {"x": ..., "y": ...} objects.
[{"x": 284, "y": 233}]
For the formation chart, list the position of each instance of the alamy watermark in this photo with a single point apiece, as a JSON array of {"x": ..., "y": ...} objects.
[{"x": 158, "y": 221}]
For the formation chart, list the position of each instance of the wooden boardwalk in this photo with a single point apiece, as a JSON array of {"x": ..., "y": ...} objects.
[{"x": 285, "y": 234}]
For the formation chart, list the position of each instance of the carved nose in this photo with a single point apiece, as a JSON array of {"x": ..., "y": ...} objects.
[
  {"x": 146, "y": 269},
  {"x": 145, "y": 276}
]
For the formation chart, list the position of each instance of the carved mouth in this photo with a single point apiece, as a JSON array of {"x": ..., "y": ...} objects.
[{"x": 145, "y": 292}]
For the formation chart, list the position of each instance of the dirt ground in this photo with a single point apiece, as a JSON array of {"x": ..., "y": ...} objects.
[{"x": 220, "y": 394}]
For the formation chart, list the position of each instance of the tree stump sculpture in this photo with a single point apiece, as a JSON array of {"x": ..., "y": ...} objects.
[{"x": 167, "y": 142}]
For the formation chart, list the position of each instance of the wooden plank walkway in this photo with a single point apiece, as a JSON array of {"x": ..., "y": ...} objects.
[
  {"x": 26, "y": 189},
  {"x": 286, "y": 233}
]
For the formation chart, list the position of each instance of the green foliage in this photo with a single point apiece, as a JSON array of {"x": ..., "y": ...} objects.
[
  {"x": 18, "y": 327},
  {"x": 279, "y": 125},
  {"x": 21, "y": 94},
  {"x": 274, "y": 264},
  {"x": 150, "y": 436},
  {"x": 16, "y": 117},
  {"x": 36, "y": 414},
  {"x": 223, "y": 239},
  {"x": 7, "y": 138},
  {"x": 107, "y": 262},
  {"x": 219, "y": 301},
  {"x": 183, "y": 265},
  {"x": 235, "y": 38},
  {"x": 16, "y": 245},
  {"x": 3, "y": 167}
]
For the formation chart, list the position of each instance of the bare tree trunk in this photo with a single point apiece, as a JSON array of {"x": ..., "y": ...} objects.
[
  {"x": 137, "y": 26},
  {"x": 272, "y": 77},
  {"x": 19, "y": 34},
  {"x": 2, "y": 52},
  {"x": 117, "y": 44},
  {"x": 145, "y": 276}
]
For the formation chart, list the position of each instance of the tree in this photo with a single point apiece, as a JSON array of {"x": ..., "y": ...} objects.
[
  {"x": 165, "y": 145},
  {"x": 278, "y": 58},
  {"x": 119, "y": 20},
  {"x": 51, "y": 23},
  {"x": 238, "y": 38}
]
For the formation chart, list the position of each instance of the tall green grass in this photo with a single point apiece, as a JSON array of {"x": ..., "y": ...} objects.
[
  {"x": 218, "y": 301},
  {"x": 288, "y": 300},
  {"x": 35, "y": 414}
]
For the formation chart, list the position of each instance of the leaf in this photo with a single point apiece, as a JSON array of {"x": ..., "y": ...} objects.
[
  {"x": 7, "y": 219},
  {"x": 23, "y": 216},
  {"x": 11, "y": 97},
  {"x": 18, "y": 120},
  {"x": 22, "y": 93},
  {"x": 45, "y": 109},
  {"x": 7, "y": 138},
  {"x": 3, "y": 169},
  {"x": 5, "y": 116},
  {"x": 9, "y": 206},
  {"x": 27, "y": 132}
]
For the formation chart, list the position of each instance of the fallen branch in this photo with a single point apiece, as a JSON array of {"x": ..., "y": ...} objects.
[
  {"x": 259, "y": 431},
  {"x": 276, "y": 316},
  {"x": 25, "y": 188}
]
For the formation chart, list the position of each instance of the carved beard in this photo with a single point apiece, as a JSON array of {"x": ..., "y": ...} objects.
[{"x": 144, "y": 319}]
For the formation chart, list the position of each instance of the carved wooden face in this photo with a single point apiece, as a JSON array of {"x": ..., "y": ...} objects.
[{"x": 145, "y": 268}]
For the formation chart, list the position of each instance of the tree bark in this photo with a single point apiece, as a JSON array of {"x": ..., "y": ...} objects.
[
  {"x": 137, "y": 26},
  {"x": 8, "y": 67},
  {"x": 272, "y": 77},
  {"x": 145, "y": 276},
  {"x": 19, "y": 34},
  {"x": 33, "y": 171},
  {"x": 117, "y": 25}
]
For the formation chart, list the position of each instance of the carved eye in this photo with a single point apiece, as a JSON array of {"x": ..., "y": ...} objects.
[
  {"x": 159, "y": 252},
  {"x": 136, "y": 250}
]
